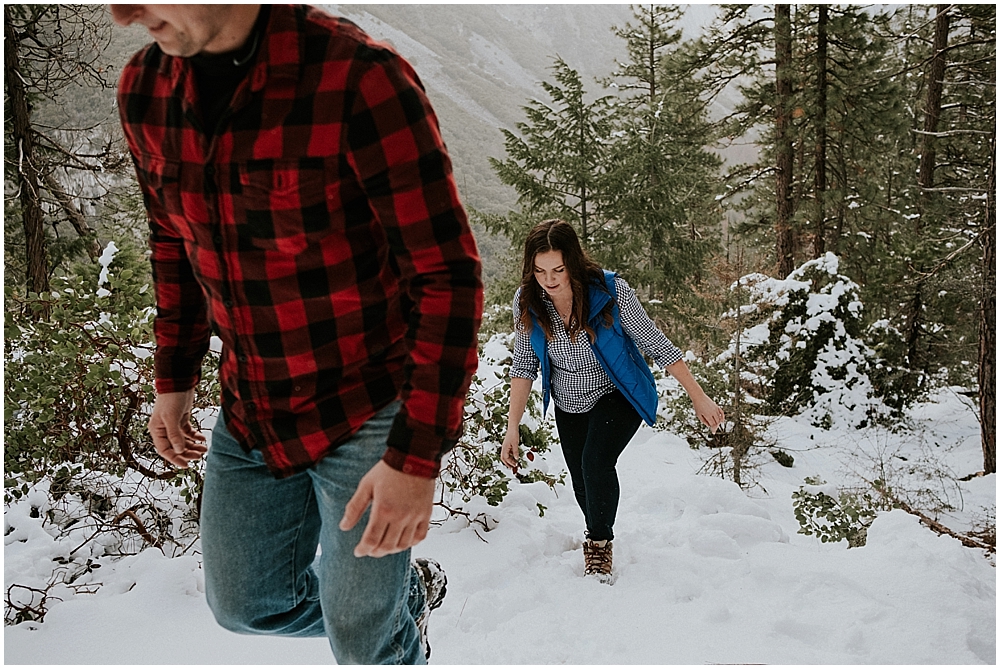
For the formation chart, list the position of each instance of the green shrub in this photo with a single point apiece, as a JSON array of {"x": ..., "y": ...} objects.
[
  {"x": 79, "y": 377},
  {"x": 848, "y": 516},
  {"x": 473, "y": 468}
]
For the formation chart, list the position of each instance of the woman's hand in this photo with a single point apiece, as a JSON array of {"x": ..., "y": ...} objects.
[
  {"x": 708, "y": 412},
  {"x": 510, "y": 451}
]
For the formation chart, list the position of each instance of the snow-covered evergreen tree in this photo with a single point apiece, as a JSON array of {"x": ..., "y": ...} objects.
[{"x": 804, "y": 334}]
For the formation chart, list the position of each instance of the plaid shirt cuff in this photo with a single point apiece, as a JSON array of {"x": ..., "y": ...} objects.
[
  {"x": 168, "y": 385},
  {"x": 174, "y": 375},
  {"x": 411, "y": 464}
]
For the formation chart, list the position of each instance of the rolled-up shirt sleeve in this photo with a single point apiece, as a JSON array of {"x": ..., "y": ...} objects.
[
  {"x": 524, "y": 363},
  {"x": 640, "y": 327}
]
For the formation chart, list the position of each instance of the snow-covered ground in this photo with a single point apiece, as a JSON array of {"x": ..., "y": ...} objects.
[{"x": 706, "y": 573}]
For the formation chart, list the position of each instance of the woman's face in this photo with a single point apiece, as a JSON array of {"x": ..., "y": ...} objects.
[{"x": 552, "y": 275}]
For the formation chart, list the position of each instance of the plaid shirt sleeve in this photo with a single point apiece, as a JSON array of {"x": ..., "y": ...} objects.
[
  {"x": 181, "y": 317},
  {"x": 181, "y": 326},
  {"x": 395, "y": 147}
]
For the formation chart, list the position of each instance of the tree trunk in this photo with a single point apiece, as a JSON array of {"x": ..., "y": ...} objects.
[
  {"x": 583, "y": 186},
  {"x": 988, "y": 325},
  {"x": 915, "y": 327},
  {"x": 819, "y": 236},
  {"x": 25, "y": 169},
  {"x": 784, "y": 247},
  {"x": 925, "y": 179},
  {"x": 651, "y": 64},
  {"x": 932, "y": 110},
  {"x": 839, "y": 173}
]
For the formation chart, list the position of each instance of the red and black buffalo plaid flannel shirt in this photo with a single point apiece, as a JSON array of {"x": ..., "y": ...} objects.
[{"x": 320, "y": 234}]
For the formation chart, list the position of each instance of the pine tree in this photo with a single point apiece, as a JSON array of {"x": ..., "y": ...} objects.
[
  {"x": 827, "y": 117},
  {"x": 937, "y": 279},
  {"x": 662, "y": 179},
  {"x": 783, "y": 146},
  {"x": 822, "y": 85},
  {"x": 749, "y": 49},
  {"x": 988, "y": 324},
  {"x": 850, "y": 196},
  {"x": 959, "y": 198},
  {"x": 557, "y": 163}
]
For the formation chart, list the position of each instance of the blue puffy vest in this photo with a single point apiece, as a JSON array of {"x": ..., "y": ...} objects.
[{"x": 615, "y": 351}]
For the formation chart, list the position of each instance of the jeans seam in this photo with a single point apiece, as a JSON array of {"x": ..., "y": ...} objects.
[
  {"x": 296, "y": 547},
  {"x": 397, "y": 649}
]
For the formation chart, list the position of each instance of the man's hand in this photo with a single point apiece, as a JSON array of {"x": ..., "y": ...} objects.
[
  {"x": 401, "y": 511},
  {"x": 174, "y": 438}
]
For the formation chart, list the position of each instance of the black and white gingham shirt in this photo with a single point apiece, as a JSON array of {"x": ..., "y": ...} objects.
[{"x": 578, "y": 380}]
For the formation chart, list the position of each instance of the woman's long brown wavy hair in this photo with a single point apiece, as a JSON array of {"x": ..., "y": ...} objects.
[{"x": 558, "y": 235}]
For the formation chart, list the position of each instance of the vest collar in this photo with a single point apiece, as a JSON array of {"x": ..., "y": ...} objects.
[{"x": 599, "y": 297}]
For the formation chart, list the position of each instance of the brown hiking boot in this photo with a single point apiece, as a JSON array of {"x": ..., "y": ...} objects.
[{"x": 597, "y": 560}]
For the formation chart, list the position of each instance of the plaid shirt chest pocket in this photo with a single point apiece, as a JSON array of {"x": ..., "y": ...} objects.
[
  {"x": 281, "y": 206},
  {"x": 162, "y": 193}
]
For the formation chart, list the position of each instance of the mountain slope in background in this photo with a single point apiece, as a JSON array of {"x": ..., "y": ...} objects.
[{"x": 482, "y": 63}]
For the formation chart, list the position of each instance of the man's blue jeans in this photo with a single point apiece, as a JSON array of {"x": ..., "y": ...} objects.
[{"x": 259, "y": 537}]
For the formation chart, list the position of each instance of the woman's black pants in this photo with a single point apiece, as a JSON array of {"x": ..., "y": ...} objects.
[{"x": 591, "y": 444}]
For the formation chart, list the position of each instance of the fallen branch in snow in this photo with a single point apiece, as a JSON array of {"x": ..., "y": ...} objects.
[
  {"x": 139, "y": 527},
  {"x": 16, "y": 612},
  {"x": 941, "y": 529},
  {"x": 968, "y": 541},
  {"x": 480, "y": 519}
]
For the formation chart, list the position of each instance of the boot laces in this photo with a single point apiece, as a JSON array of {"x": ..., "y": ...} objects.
[{"x": 597, "y": 558}]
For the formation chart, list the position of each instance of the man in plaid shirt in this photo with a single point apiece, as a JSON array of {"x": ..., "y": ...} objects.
[{"x": 302, "y": 207}]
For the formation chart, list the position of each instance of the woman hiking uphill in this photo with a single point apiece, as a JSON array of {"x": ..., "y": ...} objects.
[{"x": 584, "y": 327}]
